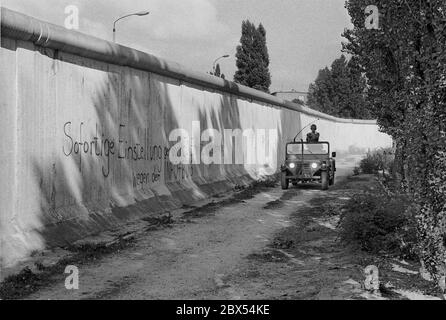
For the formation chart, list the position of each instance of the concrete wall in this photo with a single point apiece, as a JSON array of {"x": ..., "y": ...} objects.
[
  {"x": 292, "y": 95},
  {"x": 85, "y": 128}
]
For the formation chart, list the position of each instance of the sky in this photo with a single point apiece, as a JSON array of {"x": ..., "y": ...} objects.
[{"x": 303, "y": 36}]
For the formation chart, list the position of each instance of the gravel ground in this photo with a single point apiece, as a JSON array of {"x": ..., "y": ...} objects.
[{"x": 267, "y": 244}]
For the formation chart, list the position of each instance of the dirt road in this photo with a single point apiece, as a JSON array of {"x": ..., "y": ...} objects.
[{"x": 274, "y": 245}]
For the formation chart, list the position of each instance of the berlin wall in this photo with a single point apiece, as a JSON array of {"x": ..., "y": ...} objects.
[{"x": 89, "y": 129}]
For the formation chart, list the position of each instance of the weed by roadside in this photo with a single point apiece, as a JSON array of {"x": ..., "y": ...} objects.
[
  {"x": 377, "y": 222},
  {"x": 242, "y": 193},
  {"x": 375, "y": 161},
  {"x": 158, "y": 222},
  {"x": 381, "y": 219}
]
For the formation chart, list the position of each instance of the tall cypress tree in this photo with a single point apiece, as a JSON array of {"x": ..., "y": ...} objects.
[
  {"x": 253, "y": 58},
  {"x": 217, "y": 72},
  {"x": 263, "y": 67}
]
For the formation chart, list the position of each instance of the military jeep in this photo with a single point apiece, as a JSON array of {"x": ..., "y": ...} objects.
[{"x": 308, "y": 163}]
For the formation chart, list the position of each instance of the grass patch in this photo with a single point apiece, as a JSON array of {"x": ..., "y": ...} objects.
[
  {"x": 159, "y": 222},
  {"x": 276, "y": 204},
  {"x": 377, "y": 222},
  {"x": 242, "y": 193},
  {"x": 268, "y": 256}
]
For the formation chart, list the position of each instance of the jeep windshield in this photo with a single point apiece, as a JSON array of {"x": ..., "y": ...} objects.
[{"x": 308, "y": 148}]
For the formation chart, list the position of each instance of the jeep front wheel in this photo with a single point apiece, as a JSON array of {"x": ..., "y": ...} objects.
[
  {"x": 284, "y": 181},
  {"x": 324, "y": 180}
]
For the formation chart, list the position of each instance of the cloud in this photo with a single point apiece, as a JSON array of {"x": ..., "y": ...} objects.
[
  {"x": 187, "y": 31},
  {"x": 168, "y": 20},
  {"x": 194, "y": 19}
]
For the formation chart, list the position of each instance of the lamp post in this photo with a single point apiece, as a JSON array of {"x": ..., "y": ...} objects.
[
  {"x": 216, "y": 60},
  {"x": 140, "y": 14}
]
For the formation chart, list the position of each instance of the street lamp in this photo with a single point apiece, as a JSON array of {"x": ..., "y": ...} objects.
[
  {"x": 140, "y": 14},
  {"x": 216, "y": 60}
]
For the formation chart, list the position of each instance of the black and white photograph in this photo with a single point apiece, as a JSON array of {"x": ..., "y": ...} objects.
[{"x": 225, "y": 156}]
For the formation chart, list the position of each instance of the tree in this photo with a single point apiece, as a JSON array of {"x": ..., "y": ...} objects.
[
  {"x": 253, "y": 58},
  {"x": 319, "y": 92},
  {"x": 298, "y": 101},
  {"x": 217, "y": 72},
  {"x": 340, "y": 91},
  {"x": 405, "y": 65}
]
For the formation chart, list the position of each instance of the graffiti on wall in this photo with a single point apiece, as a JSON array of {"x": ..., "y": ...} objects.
[
  {"x": 81, "y": 141},
  {"x": 101, "y": 145}
]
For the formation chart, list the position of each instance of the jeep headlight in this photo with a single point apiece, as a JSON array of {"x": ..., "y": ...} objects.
[
  {"x": 292, "y": 165},
  {"x": 314, "y": 165}
]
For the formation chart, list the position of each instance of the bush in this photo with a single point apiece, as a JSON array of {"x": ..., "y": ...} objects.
[
  {"x": 376, "y": 161},
  {"x": 377, "y": 222}
]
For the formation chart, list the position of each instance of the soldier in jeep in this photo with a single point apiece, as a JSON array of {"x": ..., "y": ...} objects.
[{"x": 313, "y": 136}]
